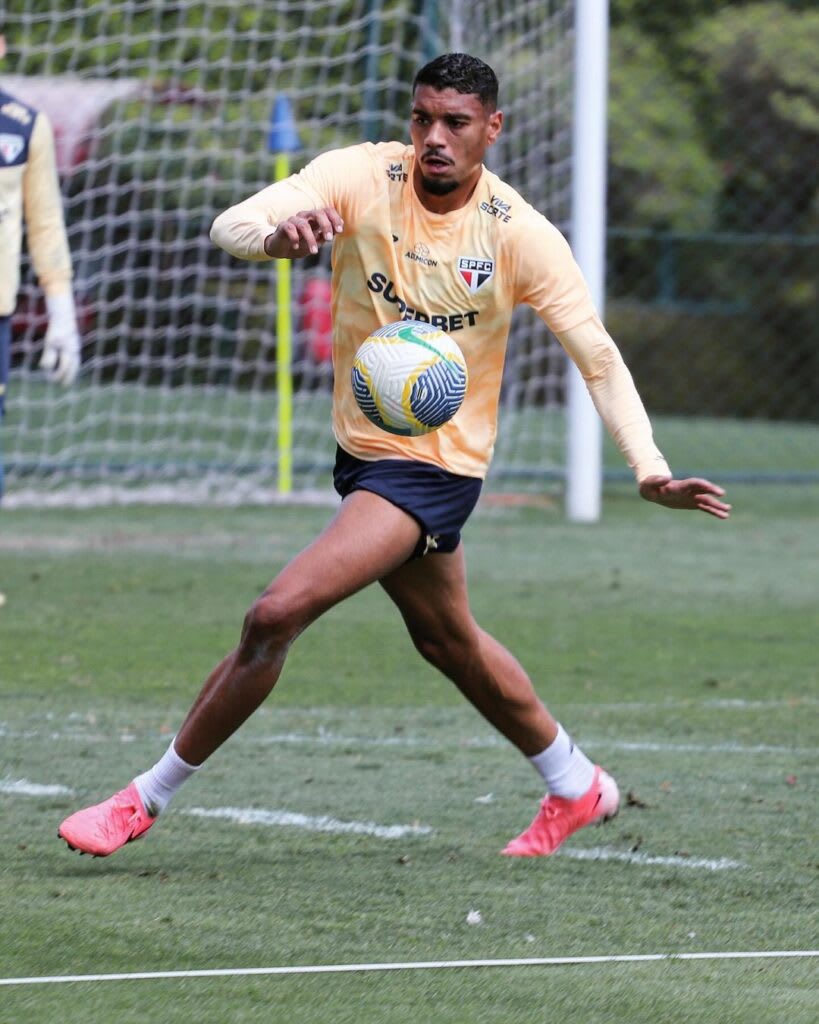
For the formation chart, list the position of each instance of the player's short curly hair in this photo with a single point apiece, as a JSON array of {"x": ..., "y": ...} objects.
[{"x": 463, "y": 73}]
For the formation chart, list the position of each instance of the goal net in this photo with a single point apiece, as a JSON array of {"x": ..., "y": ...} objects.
[{"x": 166, "y": 114}]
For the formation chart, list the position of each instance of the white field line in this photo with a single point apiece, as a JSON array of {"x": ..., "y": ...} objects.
[
  {"x": 215, "y": 490},
  {"x": 698, "y": 748},
  {"x": 55, "y": 735},
  {"x": 422, "y": 965},
  {"x": 648, "y": 860},
  {"x": 22, "y": 787},
  {"x": 718, "y": 703},
  {"x": 322, "y": 823},
  {"x": 325, "y": 823},
  {"x": 325, "y": 738}
]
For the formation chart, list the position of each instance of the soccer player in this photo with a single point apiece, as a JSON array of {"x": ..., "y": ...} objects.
[
  {"x": 30, "y": 192},
  {"x": 423, "y": 231}
]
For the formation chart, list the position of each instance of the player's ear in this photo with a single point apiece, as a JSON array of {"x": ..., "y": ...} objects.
[{"x": 494, "y": 126}]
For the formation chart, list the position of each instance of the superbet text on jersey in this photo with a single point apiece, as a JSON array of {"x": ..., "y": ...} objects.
[{"x": 463, "y": 272}]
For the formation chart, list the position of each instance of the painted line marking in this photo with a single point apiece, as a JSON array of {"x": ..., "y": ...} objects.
[
  {"x": 321, "y": 823},
  {"x": 696, "y": 748},
  {"x": 422, "y": 965},
  {"x": 649, "y": 860},
  {"x": 191, "y": 492},
  {"x": 325, "y": 823},
  {"x": 719, "y": 703},
  {"x": 22, "y": 787},
  {"x": 323, "y": 738}
]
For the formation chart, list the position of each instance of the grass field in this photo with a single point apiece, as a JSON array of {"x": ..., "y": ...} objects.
[{"x": 681, "y": 652}]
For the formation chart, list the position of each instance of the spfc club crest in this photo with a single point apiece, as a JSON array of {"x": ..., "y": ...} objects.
[
  {"x": 475, "y": 272},
  {"x": 11, "y": 146}
]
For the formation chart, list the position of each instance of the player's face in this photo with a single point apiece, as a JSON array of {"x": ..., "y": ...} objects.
[{"x": 450, "y": 132}]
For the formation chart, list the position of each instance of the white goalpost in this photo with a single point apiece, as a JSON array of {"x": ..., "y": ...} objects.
[
  {"x": 165, "y": 115},
  {"x": 584, "y": 432}
]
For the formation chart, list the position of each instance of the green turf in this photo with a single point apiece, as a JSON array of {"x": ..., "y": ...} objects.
[{"x": 679, "y": 650}]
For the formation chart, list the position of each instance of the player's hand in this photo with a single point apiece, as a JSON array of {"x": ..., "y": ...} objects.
[
  {"x": 61, "y": 352},
  {"x": 693, "y": 493},
  {"x": 303, "y": 234}
]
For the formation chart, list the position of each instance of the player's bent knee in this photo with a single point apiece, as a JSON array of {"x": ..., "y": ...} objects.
[
  {"x": 429, "y": 649},
  {"x": 268, "y": 626},
  {"x": 441, "y": 650}
]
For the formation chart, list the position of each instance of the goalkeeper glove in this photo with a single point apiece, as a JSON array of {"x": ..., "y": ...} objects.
[{"x": 61, "y": 354}]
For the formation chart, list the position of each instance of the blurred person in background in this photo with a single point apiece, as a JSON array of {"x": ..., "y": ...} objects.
[{"x": 30, "y": 194}]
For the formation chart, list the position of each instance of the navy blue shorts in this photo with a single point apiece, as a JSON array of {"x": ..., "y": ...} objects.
[
  {"x": 5, "y": 358},
  {"x": 439, "y": 501}
]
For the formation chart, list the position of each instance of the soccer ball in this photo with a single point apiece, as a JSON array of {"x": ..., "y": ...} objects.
[{"x": 409, "y": 378}]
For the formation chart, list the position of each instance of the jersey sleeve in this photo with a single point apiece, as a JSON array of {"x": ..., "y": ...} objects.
[
  {"x": 43, "y": 211},
  {"x": 615, "y": 396},
  {"x": 548, "y": 277},
  {"x": 334, "y": 179}
]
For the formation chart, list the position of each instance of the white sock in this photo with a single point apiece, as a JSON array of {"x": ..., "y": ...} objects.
[
  {"x": 564, "y": 767},
  {"x": 158, "y": 784}
]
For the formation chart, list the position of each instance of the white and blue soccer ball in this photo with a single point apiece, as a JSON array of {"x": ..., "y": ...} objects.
[{"x": 409, "y": 378}]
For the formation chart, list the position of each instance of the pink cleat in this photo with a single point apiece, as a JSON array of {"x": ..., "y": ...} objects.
[
  {"x": 558, "y": 818},
  {"x": 105, "y": 827}
]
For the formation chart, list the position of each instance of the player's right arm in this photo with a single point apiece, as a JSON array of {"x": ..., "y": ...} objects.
[
  {"x": 303, "y": 233},
  {"x": 43, "y": 206},
  {"x": 48, "y": 245},
  {"x": 295, "y": 217}
]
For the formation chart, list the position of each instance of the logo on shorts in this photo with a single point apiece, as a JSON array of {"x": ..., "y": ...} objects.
[
  {"x": 11, "y": 146},
  {"x": 475, "y": 272}
]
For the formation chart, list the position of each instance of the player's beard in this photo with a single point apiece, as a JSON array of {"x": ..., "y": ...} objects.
[{"x": 436, "y": 187}]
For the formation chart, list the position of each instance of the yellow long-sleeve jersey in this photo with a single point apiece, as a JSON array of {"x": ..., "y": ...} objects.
[
  {"x": 30, "y": 193},
  {"x": 463, "y": 271}
]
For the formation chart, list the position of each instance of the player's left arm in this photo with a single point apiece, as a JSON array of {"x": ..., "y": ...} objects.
[
  {"x": 550, "y": 281},
  {"x": 616, "y": 399},
  {"x": 48, "y": 245},
  {"x": 692, "y": 493}
]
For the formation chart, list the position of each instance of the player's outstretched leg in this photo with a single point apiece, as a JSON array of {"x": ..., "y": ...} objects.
[
  {"x": 367, "y": 538},
  {"x": 431, "y": 595},
  {"x": 559, "y": 817},
  {"x": 105, "y": 827}
]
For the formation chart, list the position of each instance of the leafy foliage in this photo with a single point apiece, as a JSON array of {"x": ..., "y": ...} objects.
[
  {"x": 715, "y": 183},
  {"x": 662, "y": 173},
  {"x": 759, "y": 81}
]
